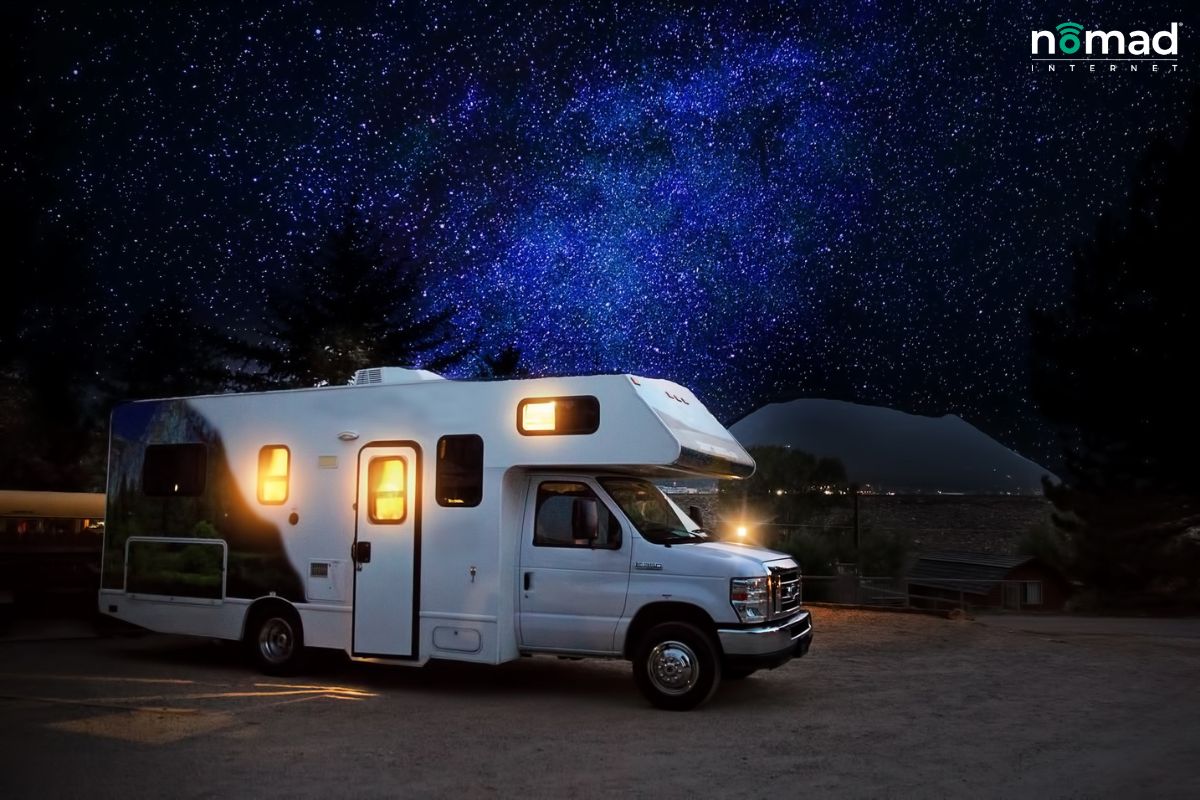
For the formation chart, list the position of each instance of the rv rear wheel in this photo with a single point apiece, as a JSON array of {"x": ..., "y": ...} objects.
[
  {"x": 276, "y": 640},
  {"x": 676, "y": 666}
]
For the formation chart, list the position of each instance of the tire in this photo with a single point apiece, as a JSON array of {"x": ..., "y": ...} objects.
[
  {"x": 737, "y": 674},
  {"x": 676, "y": 666},
  {"x": 276, "y": 641}
]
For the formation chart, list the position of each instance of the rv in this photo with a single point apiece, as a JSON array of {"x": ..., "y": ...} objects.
[{"x": 405, "y": 517}]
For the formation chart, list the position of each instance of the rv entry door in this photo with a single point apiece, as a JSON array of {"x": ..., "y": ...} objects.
[{"x": 386, "y": 550}]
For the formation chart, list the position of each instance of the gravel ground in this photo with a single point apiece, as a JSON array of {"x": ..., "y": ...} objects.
[{"x": 886, "y": 705}]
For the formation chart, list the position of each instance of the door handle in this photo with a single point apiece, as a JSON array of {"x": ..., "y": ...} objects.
[
  {"x": 361, "y": 552},
  {"x": 528, "y": 581}
]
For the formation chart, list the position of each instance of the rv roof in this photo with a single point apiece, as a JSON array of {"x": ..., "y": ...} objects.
[{"x": 646, "y": 425}]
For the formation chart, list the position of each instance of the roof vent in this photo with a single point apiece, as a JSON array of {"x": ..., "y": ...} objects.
[{"x": 392, "y": 375}]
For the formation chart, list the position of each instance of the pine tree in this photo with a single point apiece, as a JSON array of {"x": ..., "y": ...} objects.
[
  {"x": 505, "y": 364},
  {"x": 169, "y": 351},
  {"x": 1112, "y": 369},
  {"x": 51, "y": 420},
  {"x": 352, "y": 306}
]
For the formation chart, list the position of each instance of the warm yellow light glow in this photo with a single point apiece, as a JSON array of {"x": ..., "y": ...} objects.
[
  {"x": 538, "y": 416},
  {"x": 387, "y": 489},
  {"x": 741, "y": 531},
  {"x": 273, "y": 464}
]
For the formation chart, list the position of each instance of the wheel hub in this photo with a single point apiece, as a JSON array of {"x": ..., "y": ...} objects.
[
  {"x": 275, "y": 641},
  {"x": 673, "y": 667}
]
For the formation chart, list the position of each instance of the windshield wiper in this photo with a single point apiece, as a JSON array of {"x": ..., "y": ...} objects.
[
  {"x": 679, "y": 535},
  {"x": 659, "y": 533}
]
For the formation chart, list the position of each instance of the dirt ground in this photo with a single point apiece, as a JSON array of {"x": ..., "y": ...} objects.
[{"x": 886, "y": 705}]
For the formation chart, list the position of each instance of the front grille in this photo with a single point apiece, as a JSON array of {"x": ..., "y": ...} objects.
[{"x": 785, "y": 591}]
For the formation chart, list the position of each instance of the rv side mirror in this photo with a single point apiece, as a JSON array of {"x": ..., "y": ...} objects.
[
  {"x": 585, "y": 519},
  {"x": 697, "y": 515}
]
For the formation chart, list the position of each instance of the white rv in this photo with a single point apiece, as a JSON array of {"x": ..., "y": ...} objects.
[{"x": 405, "y": 517}]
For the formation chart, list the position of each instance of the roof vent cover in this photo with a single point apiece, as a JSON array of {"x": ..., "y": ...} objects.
[{"x": 392, "y": 375}]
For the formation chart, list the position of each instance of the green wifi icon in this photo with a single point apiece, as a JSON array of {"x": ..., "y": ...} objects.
[{"x": 1068, "y": 36}]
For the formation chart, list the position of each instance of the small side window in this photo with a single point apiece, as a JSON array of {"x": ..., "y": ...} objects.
[
  {"x": 459, "y": 481},
  {"x": 174, "y": 470},
  {"x": 570, "y": 514},
  {"x": 387, "y": 483},
  {"x": 274, "y": 469}
]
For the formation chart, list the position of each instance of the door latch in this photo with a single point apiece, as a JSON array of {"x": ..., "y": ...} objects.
[{"x": 361, "y": 553}]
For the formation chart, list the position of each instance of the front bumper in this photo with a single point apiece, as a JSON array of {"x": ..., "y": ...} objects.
[{"x": 767, "y": 646}]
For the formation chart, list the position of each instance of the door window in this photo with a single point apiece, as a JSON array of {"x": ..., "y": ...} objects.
[
  {"x": 569, "y": 514},
  {"x": 387, "y": 482}
]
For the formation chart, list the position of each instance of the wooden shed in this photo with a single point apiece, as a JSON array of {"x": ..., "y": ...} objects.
[{"x": 950, "y": 579}]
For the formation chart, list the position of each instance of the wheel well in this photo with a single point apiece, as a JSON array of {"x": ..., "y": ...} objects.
[
  {"x": 263, "y": 606},
  {"x": 653, "y": 613}
]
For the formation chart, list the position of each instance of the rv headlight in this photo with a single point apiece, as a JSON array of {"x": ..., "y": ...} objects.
[{"x": 750, "y": 598}]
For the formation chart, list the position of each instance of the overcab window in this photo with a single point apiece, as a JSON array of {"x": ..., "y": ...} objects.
[{"x": 558, "y": 416}]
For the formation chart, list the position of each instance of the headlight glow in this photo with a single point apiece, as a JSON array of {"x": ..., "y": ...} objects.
[{"x": 750, "y": 598}]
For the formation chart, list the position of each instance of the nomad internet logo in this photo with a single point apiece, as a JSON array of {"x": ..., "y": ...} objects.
[{"x": 1070, "y": 48}]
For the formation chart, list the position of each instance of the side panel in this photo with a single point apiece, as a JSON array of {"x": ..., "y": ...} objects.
[
  {"x": 387, "y": 576},
  {"x": 324, "y": 626},
  {"x": 257, "y": 561},
  {"x": 467, "y": 563},
  {"x": 219, "y": 620}
]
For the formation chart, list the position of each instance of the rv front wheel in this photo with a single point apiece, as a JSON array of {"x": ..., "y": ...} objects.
[
  {"x": 676, "y": 666},
  {"x": 277, "y": 641}
]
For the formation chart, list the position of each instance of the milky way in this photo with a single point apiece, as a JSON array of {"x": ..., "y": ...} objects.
[{"x": 754, "y": 199}]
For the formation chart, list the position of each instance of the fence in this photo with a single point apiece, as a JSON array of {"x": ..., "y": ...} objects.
[
  {"x": 969, "y": 523},
  {"x": 943, "y": 595}
]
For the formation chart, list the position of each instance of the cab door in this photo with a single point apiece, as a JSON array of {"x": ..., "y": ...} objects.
[
  {"x": 386, "y": 551},
  {"x": 574, "y": 573}
]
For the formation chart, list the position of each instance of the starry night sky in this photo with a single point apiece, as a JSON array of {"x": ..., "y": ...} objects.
[{"x": 853, "y": 200}]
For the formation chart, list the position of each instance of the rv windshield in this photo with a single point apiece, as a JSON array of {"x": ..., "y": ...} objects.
[{"x": 654, "y": 515}]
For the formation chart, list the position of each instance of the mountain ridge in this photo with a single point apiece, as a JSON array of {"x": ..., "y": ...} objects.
[{"x": 893, "y": 450}]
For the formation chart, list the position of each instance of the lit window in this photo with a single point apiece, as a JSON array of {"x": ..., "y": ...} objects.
[
  {"x": 274, "y": 463},
  {"x": 386, "y": 481},
  {"x": 538, "y": 416},
  {"x": 558, "y": 415}
]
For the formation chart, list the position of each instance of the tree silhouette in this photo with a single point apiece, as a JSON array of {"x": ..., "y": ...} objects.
[
  {"x": 169, "y": 351},
  {"x": 505, "y": 364},
  {"x": 788, "y": 484},
  {"x": 352, "y": 306},
  {"x": 51, "y": 416},
  {"x": 1112, "y": 369}
]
